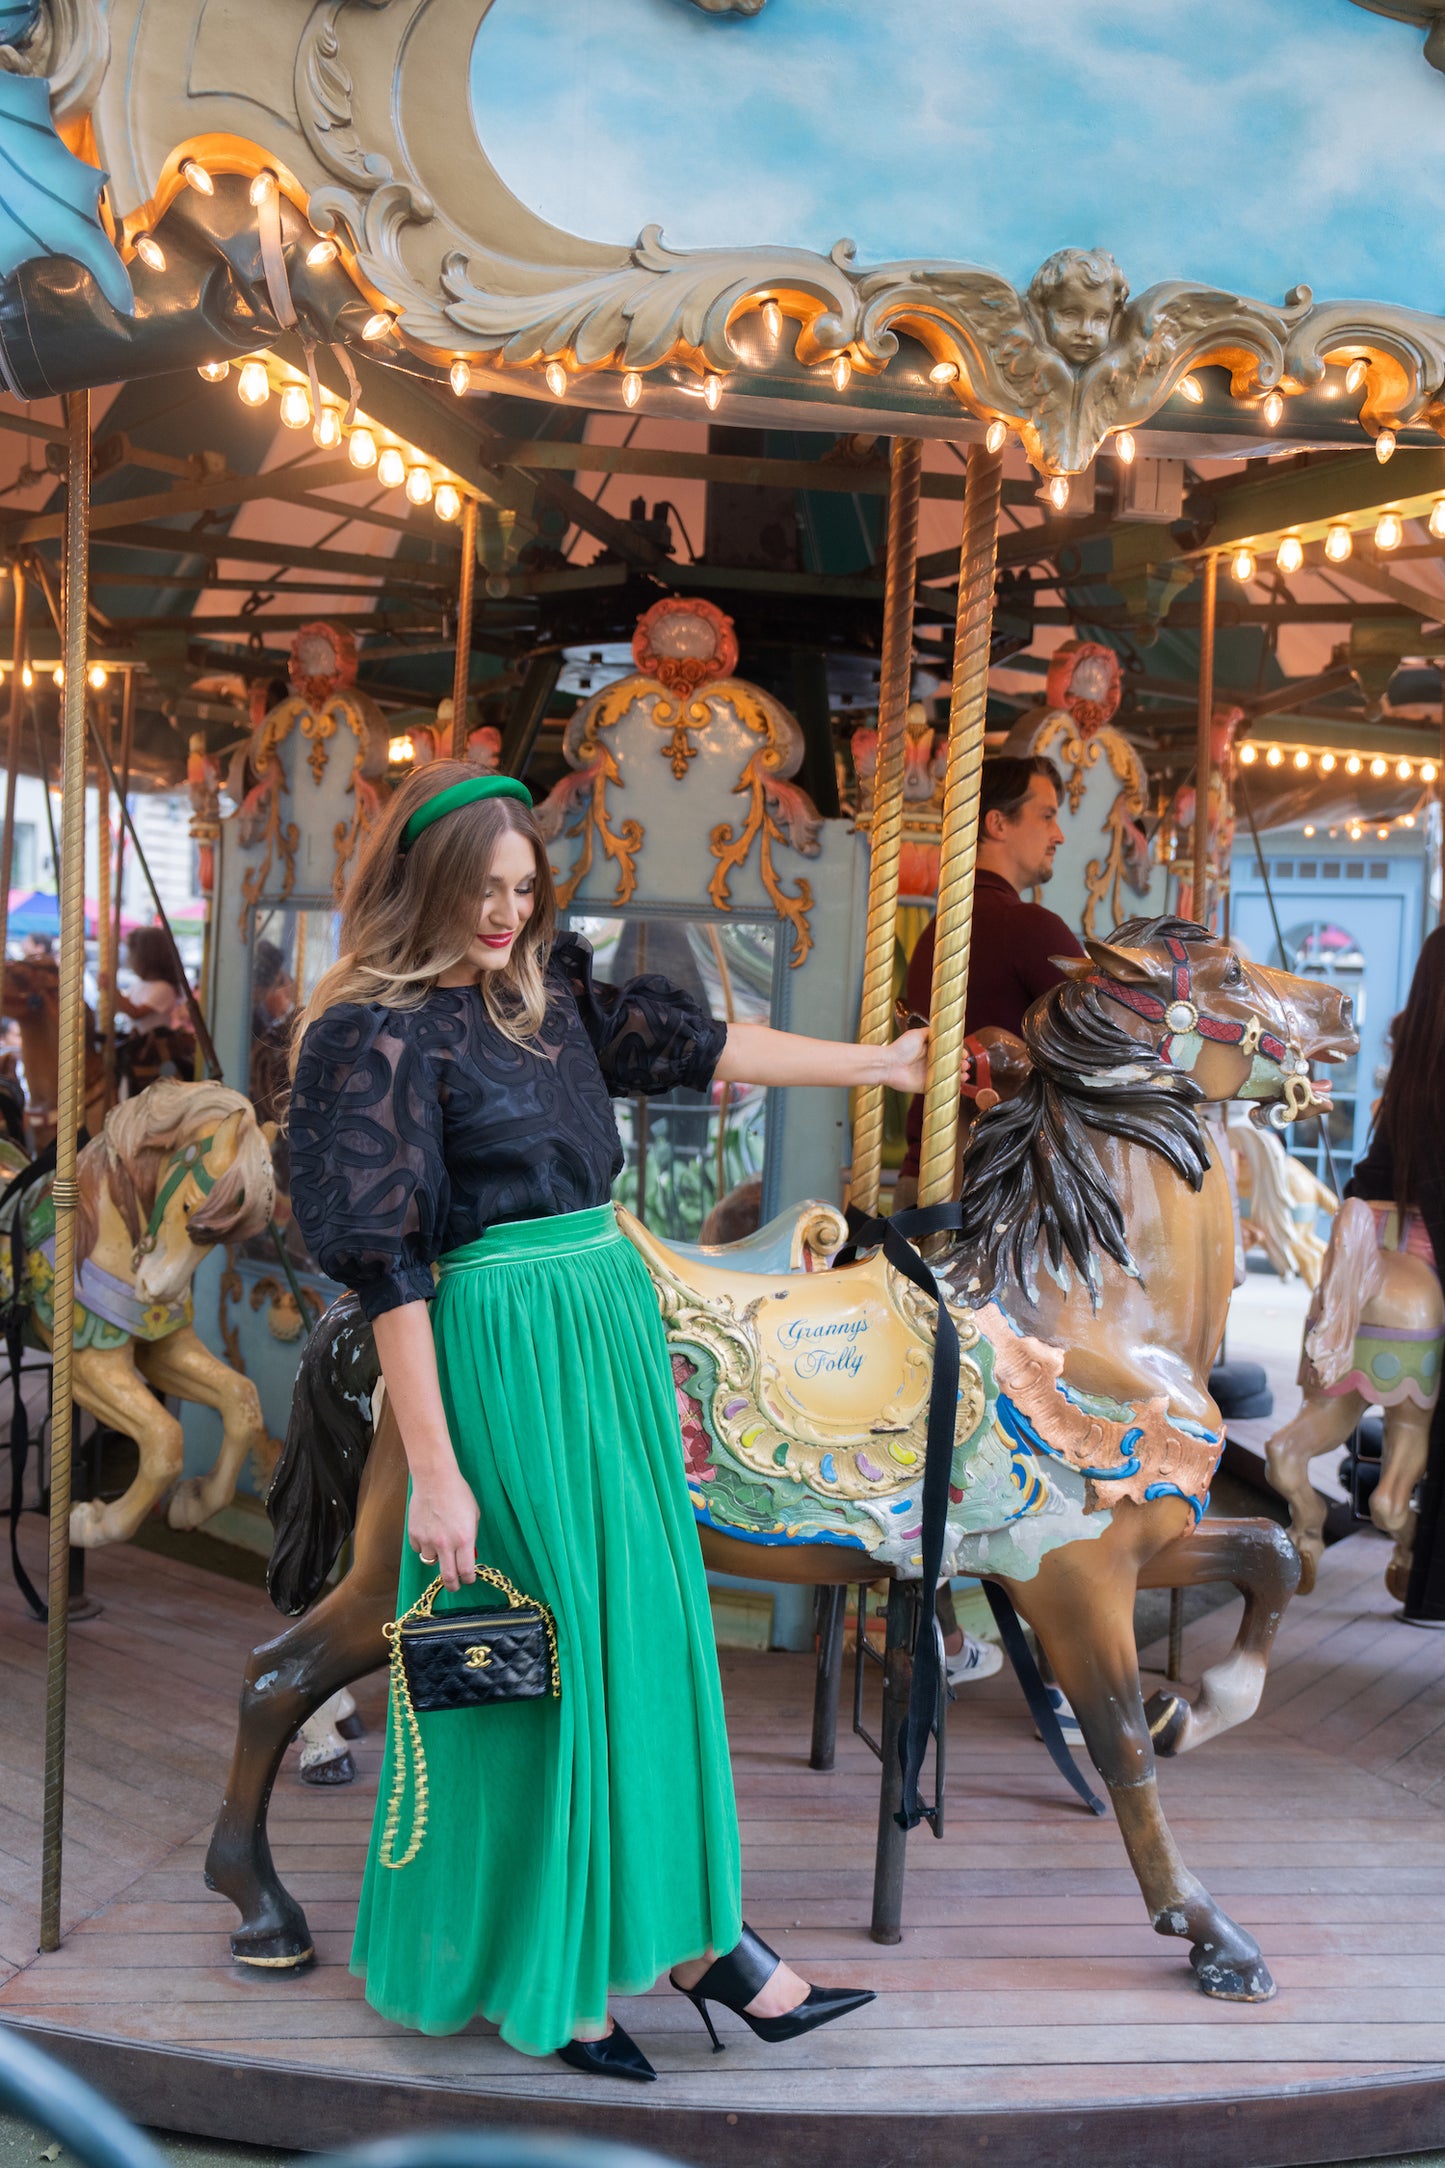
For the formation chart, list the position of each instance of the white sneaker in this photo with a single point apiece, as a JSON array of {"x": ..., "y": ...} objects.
[
  {"x": 1068, "y": 1722},
  {"x": 975, "y": 1660}
]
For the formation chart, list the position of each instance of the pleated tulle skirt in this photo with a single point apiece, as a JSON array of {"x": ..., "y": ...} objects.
[{"x": 581, "y": 1846}]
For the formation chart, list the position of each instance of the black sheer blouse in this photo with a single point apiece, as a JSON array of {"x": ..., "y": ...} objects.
[{"x": 414, "y": 1130}]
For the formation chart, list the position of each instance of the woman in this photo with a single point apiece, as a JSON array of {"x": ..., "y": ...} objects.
[
  {"x": 450, "y": 1105},
  {"x": 1405, "y": 1167},
  {"x": 159, "y": 1001}
]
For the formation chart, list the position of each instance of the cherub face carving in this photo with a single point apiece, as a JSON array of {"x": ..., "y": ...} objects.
[{"x": 1078, "y": 295}]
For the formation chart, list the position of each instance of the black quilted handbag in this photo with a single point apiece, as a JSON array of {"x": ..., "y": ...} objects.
[{"x": 459, "y": 1660}]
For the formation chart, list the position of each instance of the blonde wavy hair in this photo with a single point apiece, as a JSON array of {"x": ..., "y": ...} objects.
[{"x": 411, "y": 915}]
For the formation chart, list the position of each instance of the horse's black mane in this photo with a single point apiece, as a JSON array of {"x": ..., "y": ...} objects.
[{"x": 1033, "y": 1185}]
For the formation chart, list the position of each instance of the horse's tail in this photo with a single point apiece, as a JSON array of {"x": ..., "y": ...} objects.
[
  {"x": 312, "y": 1499},
  {"x": 1350, "y": 1277}
]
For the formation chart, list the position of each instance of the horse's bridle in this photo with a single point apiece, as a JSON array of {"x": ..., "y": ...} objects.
[
  {"x": 189, "y": 1159},
  {"x": 1182, "y": 1019}
]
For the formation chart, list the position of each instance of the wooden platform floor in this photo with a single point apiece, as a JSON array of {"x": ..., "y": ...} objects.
[{"x": 1029, "y": 2010}]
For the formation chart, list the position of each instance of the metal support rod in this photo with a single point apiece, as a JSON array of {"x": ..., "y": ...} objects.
[
  {"x": 885, "y": 841},
  {"x": 891, "y": 1853},
  {"x": 1175, "y": 1669},
  {"x": 832, "y": 1618},
  {"x": 105, "y": 936},
  {"x": 12, "y": 756},
  {"x": 958, "y": 856},
  {"x": 1203, "y": 750},
  {"x": 127, "y": 747},
  {"x": 461, "y": 676},
  {"x": 70, "y": 1097}
]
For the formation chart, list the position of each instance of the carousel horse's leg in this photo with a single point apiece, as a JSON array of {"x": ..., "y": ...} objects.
[
  {"x": 1323, "y": 1423},
  {"x": 1407, "y": 1448},
  {"x": 1260, "y": 1560},
  {"x": 109, "y": 1387},
  {"x": 182, "y": 1365},
  {"x": 339, "y": 1639},
  {"x": 1081, "y": 1605}
]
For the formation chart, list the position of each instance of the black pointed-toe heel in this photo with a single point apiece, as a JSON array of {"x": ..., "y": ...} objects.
[
  {"x": 618, "y": 2056},
  {"x": 740, "y": 1977}
]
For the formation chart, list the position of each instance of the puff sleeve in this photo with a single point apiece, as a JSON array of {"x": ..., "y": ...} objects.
[
  {"x": 648, "y": 1035},
  {"x": 368, "y": 1180}
]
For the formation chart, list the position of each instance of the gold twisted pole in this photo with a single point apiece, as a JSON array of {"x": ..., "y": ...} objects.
[
  {"x": 68, "y": 1115},
  {"x": 1203, "y": 746},
  {"x": 967, "y": 709},
  {"x": 885, "y": 842},
  {"x": 12, "y": 771},
  {"x": 461, "y": 675}
]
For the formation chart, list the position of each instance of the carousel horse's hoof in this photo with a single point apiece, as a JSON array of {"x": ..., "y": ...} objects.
[
  {"x": 1167, "y": 1716},
  {"x": 188, "y": 1508},
  {"x": 274, "y": 1936},
  {"x": 88, "y": 1530},
  {"x": 1397, "y": 1579},
  {"x": 340, "y": 1770},
  {"x": 351, "y": 1727},
  {"x": 1231, "y": 1979},
  {"x": 1309, "y": 1559}
]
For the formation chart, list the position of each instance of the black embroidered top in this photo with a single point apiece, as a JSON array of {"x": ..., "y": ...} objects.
[{"x": 414, "y": 1130}]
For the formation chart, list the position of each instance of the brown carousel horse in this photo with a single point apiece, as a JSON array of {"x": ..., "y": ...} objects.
[
  {"x": 1088, "y": 1288},
  {"x": 30, "y": 993}
]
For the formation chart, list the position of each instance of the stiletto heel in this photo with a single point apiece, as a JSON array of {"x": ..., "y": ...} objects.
[
  {"x": 617, "y": 2055},
  {"x": 740, "y": 1977}
]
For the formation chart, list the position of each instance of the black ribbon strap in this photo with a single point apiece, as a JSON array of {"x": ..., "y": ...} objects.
[
  {"x": 12, "y": 1326},
  {"x": 895, "y": 1238}
]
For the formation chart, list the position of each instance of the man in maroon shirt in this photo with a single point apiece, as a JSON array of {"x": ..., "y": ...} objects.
[
  {"x": 1014, "y": 942},
  {"x": 1009, "y": 967}
]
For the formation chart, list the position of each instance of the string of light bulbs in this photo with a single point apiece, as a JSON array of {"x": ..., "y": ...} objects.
[{"x": 1327, "y": 760}]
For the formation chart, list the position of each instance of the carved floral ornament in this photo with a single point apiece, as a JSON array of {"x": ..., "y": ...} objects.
[{"x": 361, "y": 109}]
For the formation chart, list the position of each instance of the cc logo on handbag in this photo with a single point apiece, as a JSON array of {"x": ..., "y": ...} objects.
[{"x": 479, "y": 1657}]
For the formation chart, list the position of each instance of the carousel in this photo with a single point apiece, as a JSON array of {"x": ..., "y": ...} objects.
[{"x": 329, "y": 374}]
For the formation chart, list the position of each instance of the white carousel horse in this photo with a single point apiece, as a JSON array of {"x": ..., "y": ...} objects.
[{"x": 1280, "y": 1200}]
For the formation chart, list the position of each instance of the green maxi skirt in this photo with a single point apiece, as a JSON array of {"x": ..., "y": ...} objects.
[{"x": 581, "y": 1846}]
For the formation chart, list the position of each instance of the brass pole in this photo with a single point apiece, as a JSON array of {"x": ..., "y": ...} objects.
[
  {"x": 127, "y": 745},
  {"x": 68, "y": 1113},
  {"x": 885, "y": 842},
  {"x": 105, "y": 948},
  {"x": 1203, "y": 762},
  {"x": 966, "y": 714},
  {"x": 461, "y": 676},
  {"x": 12, "y": 757}
]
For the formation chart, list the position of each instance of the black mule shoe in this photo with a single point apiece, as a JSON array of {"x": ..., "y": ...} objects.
[
  {"x": 740, "y": 1977},
  {"x": 618, "y": 2056}
]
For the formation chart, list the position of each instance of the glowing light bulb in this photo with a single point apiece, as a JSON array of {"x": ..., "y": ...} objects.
[
  {"x": 1382, "y": 833},
  {"x": 327, "y": 433},
  {"x": 254, "y": 385},
  {"x": 1273, "y": 409},
  {"x": 99, "y": 677},
  {"x": 1389, "y": 533},
  {"x": 1309, "y": 828},
  {"x": 1437, "y": 519},
  {"x": 296, "y": 407},
  {"x": 712, "y": 391},
  {"x": 400, "y": 752},
  {"x": 1274, "y": 758},
  {"x": 1301, "y": 758},
  {"x": 1355, "y": 375},
  {"x": 150, "y": 252},
  {"x": 459, "y": 376},
  {"x": 361, "y": 448},
  {"x": 57, "y": 675},
  {"x": 448, "y": 502},
  {"x": 263, "y": 188},
  {"x": 320, "y": 254},
  {"x": 1428, "y": 771},
  {"x": 1056, "y": 489},
  {"x": 418, "y": 485},
  {"x": 1125, "y": 447},
  {"x": 214, "y": 372},
  {"x": 27, "y": 677},
  {"x": 1403, "y": 770},
  {"x": 1407, "y": 820},
  {"x": 391, "y": 468},
  {"x": 1385, "y": 445},
  {"x": 631, "y": 388},
  {"x": 943, "y": 372},
  {"x": 1248, "y": 755},
  {"x": 1328, "y": 763},
  {"x": 1291, "y": 554},
  {"x": 1338, "y": 543},
  {"x": 995, "y": 437},
  {"x": 1190, "y": 388},
  {"x": 378, "y": 325},
  {"x": 1242, "y": 564},
  {"x": 772, "y": 320},
  {"x": 840, "y": 372},
  {"x": 1353, "y": 764},
  {"x": 196, "y": 176},
  {"x": 1379, "y": 766},
  {"x": 1355, "y": 831},
  {"x": 555, "y": 378}
]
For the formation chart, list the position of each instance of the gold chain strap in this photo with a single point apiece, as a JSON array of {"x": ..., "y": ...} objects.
[{"x": 408, "y": 1742}]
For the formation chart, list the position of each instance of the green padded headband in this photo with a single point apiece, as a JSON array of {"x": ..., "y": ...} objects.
[{"x": 468, "y": 792}]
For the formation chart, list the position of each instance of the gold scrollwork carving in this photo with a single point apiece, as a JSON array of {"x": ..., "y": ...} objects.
[
  {"x": 283, "y": 1316},
  {"x": 769, "y": 794},
  {"x": 1104, "y": 878},
  {"x": 681, "y": 721}
]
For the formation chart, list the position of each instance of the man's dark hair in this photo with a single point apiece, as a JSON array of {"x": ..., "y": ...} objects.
[
  {"x": 267, "y": 966},
  {"x": 1005, "y": 781}
]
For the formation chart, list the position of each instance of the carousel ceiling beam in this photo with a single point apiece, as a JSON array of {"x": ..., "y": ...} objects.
[
  {"x": 214, "y": 543},
  {"x": 287, "y": 485},
  {"x": 1369, "y": 570},
  {"x": 385, "y": 619},
  {"x": 869, "y": 478},
  {"x": 1278, "y": 699},
  {"x": 417, "y": 592}
]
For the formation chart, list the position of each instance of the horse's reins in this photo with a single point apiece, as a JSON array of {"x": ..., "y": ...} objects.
[
  {"x": 1181, "y": 1015},
  {"x": 188, "y": 1159}
]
